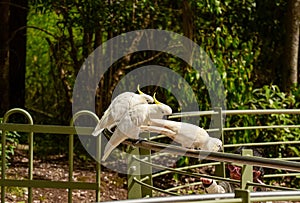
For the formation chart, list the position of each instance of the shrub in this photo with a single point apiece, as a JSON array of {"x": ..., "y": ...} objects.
[{"x": 11, "y": 143}]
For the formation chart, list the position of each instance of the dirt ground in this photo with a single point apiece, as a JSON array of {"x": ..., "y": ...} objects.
[{"x": 113, "y": 186}]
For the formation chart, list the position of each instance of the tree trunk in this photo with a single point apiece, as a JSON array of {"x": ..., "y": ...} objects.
[
  {"x": 188, "y": 27},
  {"x": 290, "y": 70},
  {"x": 187, "y": 19},
  {"x": 4, "y": 56},
  {"x": 17, "y": 57}
]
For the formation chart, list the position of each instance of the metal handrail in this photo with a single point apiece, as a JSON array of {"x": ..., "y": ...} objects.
[
  {"x": 225, "y": 197},
  {"x": 259, "y": 127},
  {"x": 246, "y": 112},
  {"x": 217, "y": 156},
  {"x": 270, "y": 186},
  {"x": 197, "y": 175},
  {"x": 32, "y": 128},
  {"x": 261, "y": 144},
  {"x": 155, "y": 146},
  {"x": 153, "y": 188},
  {"x": 235, "y": 112},
  {"x": 185, "y": 167}
]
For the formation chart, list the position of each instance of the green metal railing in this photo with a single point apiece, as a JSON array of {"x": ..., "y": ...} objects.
[
  {"x": 246, "y": 180},
  {"x": 141, "y": 185},
  {"x": 31, "y": 128},
  {"x": 240, "y": 196}
]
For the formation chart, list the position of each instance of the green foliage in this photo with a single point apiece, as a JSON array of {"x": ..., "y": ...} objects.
[
  {"x": 44, "y": 90},
  {"x": 230, "y": 32},
  {"x": 232, "y": 47},
  {"x": 235, "y": 35},
  {"x": 11, "y": 143},
  {"x": 267, "y": 97}
]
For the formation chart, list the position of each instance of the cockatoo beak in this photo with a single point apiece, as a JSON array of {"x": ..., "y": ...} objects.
[{"x": 165, "y": 117}]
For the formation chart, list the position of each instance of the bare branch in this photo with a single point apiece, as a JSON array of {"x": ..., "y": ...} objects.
[
  {"x": 14, "y": 5},
  {"x": 144, "y": 61},
  {"x": 13, "y": 34}
]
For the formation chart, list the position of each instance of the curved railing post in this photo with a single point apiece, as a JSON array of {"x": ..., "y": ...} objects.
[
  {"x": 30, "y": 143},
  {"x": 146, "y": 169},
  {"x": 137, "y": 171},
  {"x": 71, "y": 154},
  {"x": 133, "y": 172},
  {"x": 217, "y": 123}
]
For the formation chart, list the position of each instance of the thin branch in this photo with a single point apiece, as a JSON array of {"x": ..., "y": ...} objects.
[
  {"x": 40, "y": 112},
  {"x": 13, "y": 34},
  {"x": 144, "y": 61},
  {"x": 14, "y": 5},
  {"x": 151, "y": 58}
]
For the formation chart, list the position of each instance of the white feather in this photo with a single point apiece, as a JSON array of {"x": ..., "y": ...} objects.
[
  {"x": 129, "y": 125},
  {"x": 186, "y": 134},
  {"x": 118, "y": 108}
]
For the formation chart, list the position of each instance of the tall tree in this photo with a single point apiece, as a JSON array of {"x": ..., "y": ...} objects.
[
  {"x": 13, "y": 18},
  {"x": 4, "y": 55},
  {"x": 17, "y": 58},
  {"x": 290, "y": 70}
]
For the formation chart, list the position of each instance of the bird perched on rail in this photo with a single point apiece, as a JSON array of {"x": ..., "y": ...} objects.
[
  {"x": 119, "y": 107},
  {"x": 186, "y": 134},
  {"x": 129, "y": 124}
]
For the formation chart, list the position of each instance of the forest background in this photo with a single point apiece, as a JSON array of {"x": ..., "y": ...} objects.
[{"x": 254, "y": 45}]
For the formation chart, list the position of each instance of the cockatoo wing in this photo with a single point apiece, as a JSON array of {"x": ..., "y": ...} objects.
[
  {"x": 120, "y": 105},
  {"x": 183, "y": 133},
  {"x": 160, "y": 130},
  {"x": 200, "y": 137},
  {"x": 171, "y": 125},
  {"x": 125, "y": 129},
  {"x": 129, "y": 124},
  {"x": 188, "y": 135},
  {"x": 118, "y": 108},
  {"x": 115, "y": 111},
  {"x": 117, "y": 138},
  {"x": 106, "y": 120}
]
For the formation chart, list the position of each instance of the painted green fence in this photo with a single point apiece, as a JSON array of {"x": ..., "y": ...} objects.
[
  {"x": 31, "y": 128},
  {"x": 246, "y": 181},
  {"x": 141, "y": 185}
]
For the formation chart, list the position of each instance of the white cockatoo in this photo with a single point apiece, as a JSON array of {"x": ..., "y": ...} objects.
[
  {"x": 119, "y": 107},
  {"x": 129, "y": 125},
  {"x": 186, "y": 134}
]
